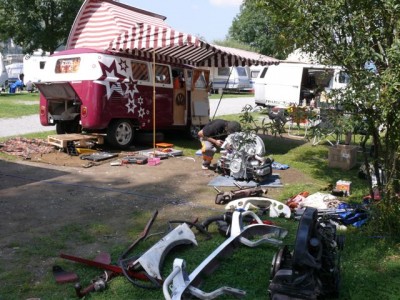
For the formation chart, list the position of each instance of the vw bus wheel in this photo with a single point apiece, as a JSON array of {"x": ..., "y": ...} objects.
[
  {"x": 193, "y": 131},
  {"x": 120, "y": 134}
]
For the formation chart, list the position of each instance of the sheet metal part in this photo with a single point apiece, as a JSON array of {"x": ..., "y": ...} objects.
[
  {"x": 183, "y": 283},
  {"x": 276, "y": 208},
  {"x": 152, "y": 259}
]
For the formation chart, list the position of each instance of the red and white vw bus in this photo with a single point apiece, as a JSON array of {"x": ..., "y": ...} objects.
[{"x": 104, "y": 92}]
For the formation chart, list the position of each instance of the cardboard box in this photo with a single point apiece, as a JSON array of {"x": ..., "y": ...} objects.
[
  {"x": 343, "y": 185},
  {"x": 342, "y": 156}
]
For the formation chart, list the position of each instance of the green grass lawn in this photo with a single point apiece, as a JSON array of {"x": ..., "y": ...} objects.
[
  {"x": 238, "y": 95},
  {"x": 370, "y": 263},
  {"x": 18, "y": 104}
]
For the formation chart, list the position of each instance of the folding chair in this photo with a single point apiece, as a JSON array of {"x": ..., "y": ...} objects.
[
  {"x": 299, "y": 121},
  {"x": 325, "y": 128}
]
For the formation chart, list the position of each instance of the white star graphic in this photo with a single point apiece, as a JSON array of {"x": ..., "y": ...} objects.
[
  {"x": 131, "y": 105},
  {"x": 141, "y": 112},
  {"x": 111, "y": 79},
  {"x": 131, "y": 89},
  {"x": 140, "y": 100}
]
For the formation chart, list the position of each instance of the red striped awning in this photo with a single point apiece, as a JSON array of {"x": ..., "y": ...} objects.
[{"x": 112, "y": 26}]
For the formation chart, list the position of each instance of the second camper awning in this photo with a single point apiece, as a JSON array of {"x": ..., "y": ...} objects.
[{"x": 112, "y": 26}]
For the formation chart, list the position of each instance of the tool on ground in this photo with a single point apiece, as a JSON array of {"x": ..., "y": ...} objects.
[
  {"x": 100, "y": 283},
  {"x": 63, "y": 276},
  {"x": 225, "y": 197}
]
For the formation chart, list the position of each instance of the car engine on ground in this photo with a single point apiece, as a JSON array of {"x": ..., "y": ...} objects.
[
  {"x": 312, "y": 269},
  {"x": 243, "y": 158}
]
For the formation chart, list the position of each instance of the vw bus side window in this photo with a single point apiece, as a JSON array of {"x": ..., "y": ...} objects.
[
  {"x": 68, "y": 65},
  {"x": 140, "y": 71},
  {"x": 201, "y": 82},
  {"x": 163, "y": 74}
]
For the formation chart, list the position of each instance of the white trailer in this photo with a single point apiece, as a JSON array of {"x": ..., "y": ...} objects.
[{"x": 292, "y": 83}]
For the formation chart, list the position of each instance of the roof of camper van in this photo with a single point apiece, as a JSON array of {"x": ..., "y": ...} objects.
[{"x": 112, "y": 26}]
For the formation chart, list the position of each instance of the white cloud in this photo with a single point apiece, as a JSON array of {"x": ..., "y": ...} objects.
[{"x": 226, "y": 2}]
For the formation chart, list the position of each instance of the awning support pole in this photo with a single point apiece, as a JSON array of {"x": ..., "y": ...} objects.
[{"x": 154, "y": 102}]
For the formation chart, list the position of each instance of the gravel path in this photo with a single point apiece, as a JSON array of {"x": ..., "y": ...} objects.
[{"x": 31, "y": 124}]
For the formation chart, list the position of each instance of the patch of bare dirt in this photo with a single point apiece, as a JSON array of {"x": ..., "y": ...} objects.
[{"x": 47, "y": 193}]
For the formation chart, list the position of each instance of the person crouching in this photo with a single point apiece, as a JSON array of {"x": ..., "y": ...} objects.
[{"x": 212, "y": 136}]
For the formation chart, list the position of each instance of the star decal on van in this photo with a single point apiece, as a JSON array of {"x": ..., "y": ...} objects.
[
  {"x": 131, "y": 105},
  {"x": 123, "y": 65},
  {"x": 130, "y": 88},
  {"x": 111, "y": 79},
  {"x": 141, "y": 112}
]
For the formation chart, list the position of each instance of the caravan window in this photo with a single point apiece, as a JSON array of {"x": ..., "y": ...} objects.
[
  {"x": 140, "y": 71},
  {"x": 223, "y": 72},
  {"x": 254, "y": 74},
  {"x": 163, "y": 74},
  {"x": 241, "y": 72},
  {"x": 68, "y": 65}
]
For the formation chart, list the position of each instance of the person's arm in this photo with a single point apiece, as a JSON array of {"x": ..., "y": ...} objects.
[{"x": 210, "y": 139}]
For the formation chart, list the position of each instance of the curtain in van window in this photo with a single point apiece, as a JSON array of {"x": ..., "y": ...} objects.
[
  {"x": 140, "y": 71},
  {"x": 162, "y": 74}
]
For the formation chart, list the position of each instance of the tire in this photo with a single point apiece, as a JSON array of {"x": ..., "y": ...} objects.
[
  {"x": 192, "y": 131},
  {"x": 65, "y": 127},
  {"x": 120, "y": 133}
]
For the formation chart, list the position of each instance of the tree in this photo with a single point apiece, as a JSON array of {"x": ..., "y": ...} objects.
[
  {"x": 37, "y": 24},
  {"x": 234, "y": 44},
  {"x": 252, "y": 27},
  {"x": 350, "y": 34}
]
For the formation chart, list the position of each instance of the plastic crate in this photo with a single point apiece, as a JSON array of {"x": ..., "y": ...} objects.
[{"x": 153, "y": 161}]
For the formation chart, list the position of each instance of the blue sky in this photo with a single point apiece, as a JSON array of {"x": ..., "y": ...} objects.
[{"x": 209, "y": 19}]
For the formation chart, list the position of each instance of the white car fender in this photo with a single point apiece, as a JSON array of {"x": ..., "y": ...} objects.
[{"x": 276, "y": 208}]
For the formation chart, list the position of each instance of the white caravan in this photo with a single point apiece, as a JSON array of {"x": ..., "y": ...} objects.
[
  {"x": 15, "y": 70},
  {"x": 34, "y": 67},
  {"x": 291, "y": 83},
  {"x": 233, "y": 79},
  {"x": 3, "y": 74}
]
